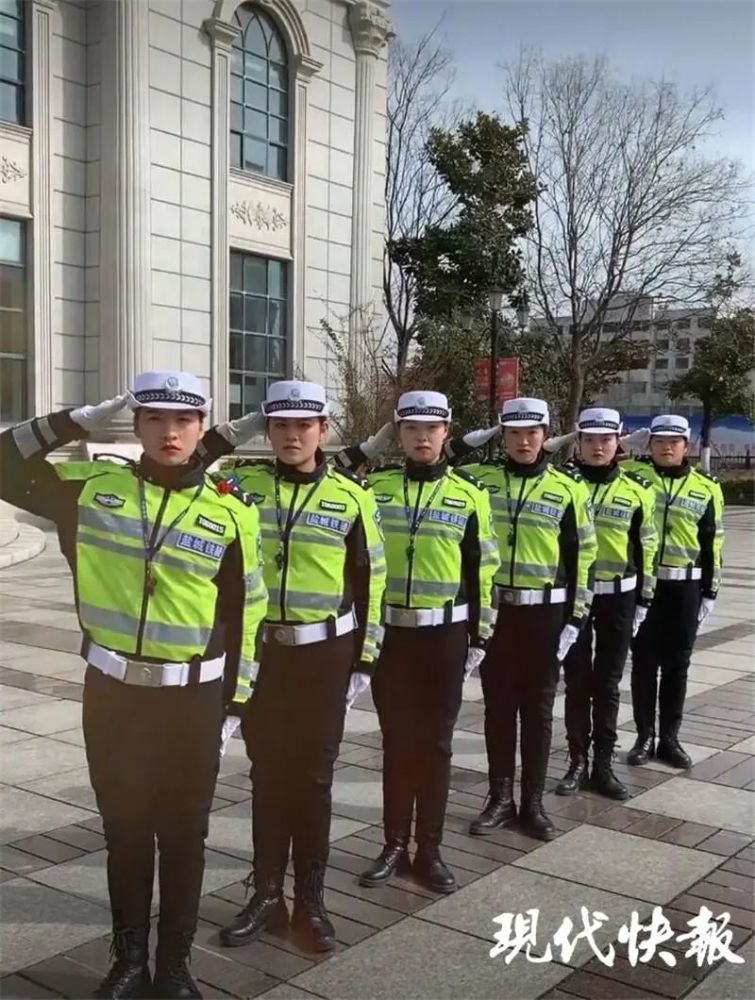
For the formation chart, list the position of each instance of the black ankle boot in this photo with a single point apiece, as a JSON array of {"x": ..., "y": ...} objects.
[
  {"x": 265, "y": 911},
  {"x": 499, "y": 810},
  {"x": 129, "y": 975},
  {"x": 310, "y": 923},
  {"x": 575, "y": 777},
  {"x": 173, "y": 981},
  {"x": 532, "y": 817},
  {"x": 429, "y": 869},
  {"x": 671, "y": 752},
  {"x": 393, "y": 860},
  {"x": 643, "y": 749},
  {"x": 603, "y": 780}
]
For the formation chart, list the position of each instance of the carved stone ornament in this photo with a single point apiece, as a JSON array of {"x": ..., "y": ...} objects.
[
  {"x": 259, "y": 216},
  {"x": 10, "y": 171},
  {"x": 370, "y": 28}
]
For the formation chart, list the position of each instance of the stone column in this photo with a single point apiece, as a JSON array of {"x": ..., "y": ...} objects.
[
  {"x": 370, "y": 30},
  {"x": 125, "y": 231}
]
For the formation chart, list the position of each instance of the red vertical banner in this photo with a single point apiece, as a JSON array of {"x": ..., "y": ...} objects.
[{"x": 507, "y": 379}]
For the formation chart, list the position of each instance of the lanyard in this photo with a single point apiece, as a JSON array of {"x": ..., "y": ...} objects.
[
  {"x": 152, "y": 546},
  {"x": 599, "y": 504},
  {"x": 284, "y": 533},
  {"x": 670, "y": 497},
  {"x": 514, "y": 513},
  {"x": 415, "y": 520}
]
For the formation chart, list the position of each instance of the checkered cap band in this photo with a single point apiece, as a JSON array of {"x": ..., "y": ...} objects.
[{"x": 189, "y": 399}]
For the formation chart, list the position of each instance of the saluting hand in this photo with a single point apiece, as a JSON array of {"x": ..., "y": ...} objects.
[
  {"x": 91, "y": 417},
  {"x": 239, "y": 431}
]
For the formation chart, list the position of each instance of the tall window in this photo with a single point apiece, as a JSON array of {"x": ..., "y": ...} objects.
[
  {"x": 12, "y": 62},
  {"x": 14, "y": 331},
  {"x": 258, "y": 329},
  {"x": 259, "y": 96}
]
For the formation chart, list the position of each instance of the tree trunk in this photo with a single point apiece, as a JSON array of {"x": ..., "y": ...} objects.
[
  {"x": 705, "y": 436},
  {"x": 576, "y": 392}
]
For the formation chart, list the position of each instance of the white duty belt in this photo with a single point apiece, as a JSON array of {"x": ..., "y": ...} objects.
[
  {"x": 151, "y": 674},
  {"x": 679, "y": 573},
  {"x": 620, "y": 586},
  {"x": 513, "y": 595},
  {"x": 422, "y": 617},
  {"x": 303, "y": 635}
]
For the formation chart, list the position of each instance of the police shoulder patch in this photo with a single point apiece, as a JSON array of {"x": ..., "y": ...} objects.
[
  {"x": 464, "y": 474},
  {"x": 351, "y": 476},
  {"x": 637, "y": 478},
  {"x": 570, "y": 472},
  {"x": 241, "y": 463},
  {"x": 706, "y": 475}
]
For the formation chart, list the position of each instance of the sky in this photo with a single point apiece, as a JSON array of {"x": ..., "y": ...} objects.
[{"x": 693, "y": 43}]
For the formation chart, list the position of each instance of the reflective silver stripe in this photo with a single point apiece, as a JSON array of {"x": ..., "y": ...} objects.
[
  {"x": 267, "y": 514},
  {"x": 488, "y": 545},
  {"x": 137, "y": 552},
  {"x": 104, "y": 520},
  {"x": 606, "y": 566},
  {"x": 586, "y": 531},
  {"x": 116, "y": 621},
  {"x": 305, "y": 599},
  {"x": 252, "y": 580},
  {"x": 681, "y": 552},
  {"x": 43, "y": 426},
  {"x": 26, "y": 440},
  {"x": 583, "y": 594},
  {"x": 432, "y": 588},
  {"x": 375, "y": 632},
  {"x": 533, "y": 569}
]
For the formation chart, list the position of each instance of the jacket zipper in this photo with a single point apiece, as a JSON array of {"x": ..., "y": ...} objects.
[
  {"x": 284, "y": 567},
  {"x": 145, "y": 591},
  {"x": 669, "y": 501},
  {"x": 514, "y": 529},
  {"x": 411, "y": 546}
]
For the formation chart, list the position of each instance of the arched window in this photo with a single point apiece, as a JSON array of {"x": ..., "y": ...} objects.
[{"x": 259, "y": 96}]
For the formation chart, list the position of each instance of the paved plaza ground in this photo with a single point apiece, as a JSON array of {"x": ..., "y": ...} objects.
[{"x": 682, "y": 841}]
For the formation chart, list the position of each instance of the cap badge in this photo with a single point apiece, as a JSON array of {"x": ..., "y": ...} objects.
[
  {"x": 421, "y": 401},
  {"x": 171, "y": 384},
  {"x": 295, "y": 393}
]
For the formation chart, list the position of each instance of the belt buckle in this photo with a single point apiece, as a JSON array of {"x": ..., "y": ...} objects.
[
  {"x": 402, "y": 617},
  {"x": 281, "y": 635},
  {"x": 142, "y": 674},
  {"x": 509, "y": 596}
]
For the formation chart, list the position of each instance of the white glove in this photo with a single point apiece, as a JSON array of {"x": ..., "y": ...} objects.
[
  {"x": 91, "y": 417},
  {"x": 706, "y": 607},
  {"x": 230, "y": 725},
  {"x": 640, "y": 614},
  {"x": 476, "y": 439},
  {"x": 238, "y": 432},
  {"x": 358, "y": 684},
  {"x": 474, "y": 659},
  {"x": 568, "y": 637},
  {"x": 553, "y": 444},
  {"x": 377, "y": 443},
  {"x": 636, "y": 441}
]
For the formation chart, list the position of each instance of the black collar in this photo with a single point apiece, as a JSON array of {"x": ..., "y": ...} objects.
[
  {"x": 526, "y": 470},
  {"x": 673, "y": 471},
  {"x": 425, "y": 473},
  {"x": 598, "y": 473},
  {"x": 172, "y": 477},
  {"x": 293, "y": 475}
]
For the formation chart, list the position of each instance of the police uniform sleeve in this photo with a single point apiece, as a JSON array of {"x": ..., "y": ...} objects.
[
  {"x": 480, "y": 562},
  {"x": 368, "y": 584},
  {"x": 253, "y": 606},
  {"x": 710, "y": 533},
  {"x": 645, "y": 539},
  {"x": 580, "y": 548},
  {"x": 27, "y": 480}
]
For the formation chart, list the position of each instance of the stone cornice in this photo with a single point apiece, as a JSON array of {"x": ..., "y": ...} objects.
[{"x": 370, "y": 28}]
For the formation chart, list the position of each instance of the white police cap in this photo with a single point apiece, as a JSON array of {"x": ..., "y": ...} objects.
[
  {"x": 525, "y": 412},
  {"x": 670, "y": 425},
  {"x": 169, "y": 391},
  {"x": 599, "y": 419},
  {"x": 422, "y": 404},
  {"x": 292, "y": 398}
]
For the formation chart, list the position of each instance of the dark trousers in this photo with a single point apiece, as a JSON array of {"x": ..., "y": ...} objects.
[
  {"x": 153, "y": 757},
  {"x": 592, "y": 671},
  {"x": 665, "y": 640},
  {"x": 293, "y": 728},
  {"x": 417, "y": 693},
  {"x": 519, "y": 676}
]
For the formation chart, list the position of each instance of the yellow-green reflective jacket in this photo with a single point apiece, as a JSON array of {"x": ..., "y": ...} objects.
[
  {"x": 452, "y": 556},
  {"x": 332, "y": 559},
  {"x": 689, "y": 510}
]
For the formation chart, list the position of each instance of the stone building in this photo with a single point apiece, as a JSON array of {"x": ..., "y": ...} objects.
[{"x": 189, "y": 184}]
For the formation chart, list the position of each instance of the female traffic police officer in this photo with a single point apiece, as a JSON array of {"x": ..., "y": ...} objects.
[
  {"x": 441, "y": 555},
  {"x": 624, "y": 509},
  {"x": 547, "y": 547},
  {"x": 689, "y": 516},
  {"x": 168, "y": 585},
  {"x": 324, "y": 567}
]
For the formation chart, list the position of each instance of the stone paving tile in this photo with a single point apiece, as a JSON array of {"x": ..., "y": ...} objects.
[
  {"x": 13, "y": 697},
  {"x": 43, "y": 719},
  {"x": 49, "y": 850},
  {"x": 70, "y": 786},
  {"x": 23, "y": 814},
  {"x": 728, "y": 981},
  {"x": 31, "y": 759},
  {"x": 685, "y": 798},
  {"x": 8, "y": 736}
]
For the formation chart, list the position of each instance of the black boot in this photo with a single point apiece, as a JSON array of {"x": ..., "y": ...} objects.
[
  {"x": 429, "y": 869},
  {"x": 173, "y": 981},
  {"x": 129, "y": 975},
  {"x": 576, "y": 775},
  {"x": 499, "y": 809},
  {"x": 265, "y": 911},
  {"x": 393, "y": 860},
  {"x": 643, "y": 749},
  {"x": 670, "y": 751},
  {"x": 532, "y": 818},
  {"x": 310, "y": 923},
  {"x": 603, "y": 780}
]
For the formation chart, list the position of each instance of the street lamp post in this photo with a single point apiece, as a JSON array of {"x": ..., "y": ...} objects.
[{"x": 495, "y": 299}]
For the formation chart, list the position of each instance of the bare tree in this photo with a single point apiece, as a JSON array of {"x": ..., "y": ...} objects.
[
  {"x": 420, "y": 78},
  {"x": 628, "y": 210}
]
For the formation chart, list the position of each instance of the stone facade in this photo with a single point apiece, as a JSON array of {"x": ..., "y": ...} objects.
[{"x": 132, "y": 208}]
